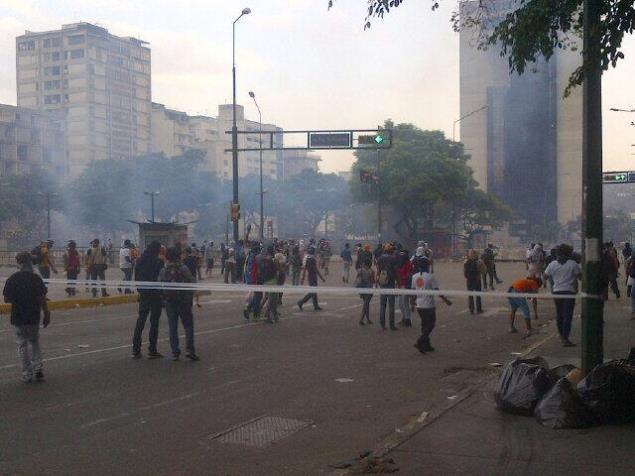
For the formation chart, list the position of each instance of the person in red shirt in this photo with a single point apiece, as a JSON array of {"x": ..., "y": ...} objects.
[{"x": 529, "y": 285}]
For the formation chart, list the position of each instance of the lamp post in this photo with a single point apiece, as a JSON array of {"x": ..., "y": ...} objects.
[
  {"x": 151, "y": 195},
  {"x": 463, "y": 117},
  {"x": 48, "y": 196},
  {"x": 246, "y": 11},
  {"x": 262, "y": 206}
]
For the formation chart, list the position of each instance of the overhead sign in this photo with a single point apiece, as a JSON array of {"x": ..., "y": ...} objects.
[
  {"x": 618, "y": 177},
  {"x": 333, "y": 140},
  {"x": 375, "y": 139}
]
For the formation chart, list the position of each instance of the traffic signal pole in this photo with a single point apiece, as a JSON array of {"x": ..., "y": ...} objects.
[
  {"x": 378, "y": 200},
  {"x": 592, "y": 304}
]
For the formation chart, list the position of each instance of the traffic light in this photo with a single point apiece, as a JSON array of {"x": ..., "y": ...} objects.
[
  {"x": 376, "y": 139},
  {"x": 615, "y": 177},
  {"x": 234, "y": 211}
]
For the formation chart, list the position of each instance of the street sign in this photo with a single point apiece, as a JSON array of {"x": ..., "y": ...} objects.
[
  {"x": 618, "y": 177},
  {"x": 333, "y": 140},
  {"x": 375, "y": 139}
]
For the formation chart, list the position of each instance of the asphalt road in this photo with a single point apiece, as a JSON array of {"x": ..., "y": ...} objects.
[{"x": 100, "y": 412}]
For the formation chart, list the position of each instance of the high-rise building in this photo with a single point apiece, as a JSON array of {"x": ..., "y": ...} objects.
[
  {"x": 525, "y": 141},
  {"x": 30, "y": 139},
  {"x": 297, "y": 161},
  {"x": 99, "y": 83}
]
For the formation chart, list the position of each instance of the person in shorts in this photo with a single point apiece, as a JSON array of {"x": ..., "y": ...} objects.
[{"x": 529, "y": 285}]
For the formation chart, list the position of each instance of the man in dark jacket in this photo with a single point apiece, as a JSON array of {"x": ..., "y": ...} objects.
[
  {"x": 387, "y": 270},
  {"x": 148, "y": 268}
]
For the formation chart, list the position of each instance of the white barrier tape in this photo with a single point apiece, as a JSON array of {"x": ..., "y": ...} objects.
[{"x": 287, "y": 289}]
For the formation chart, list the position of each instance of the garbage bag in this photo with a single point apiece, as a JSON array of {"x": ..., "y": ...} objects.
[
  {"x": 609, "y": 391},
  {"x": 561, "y": 371},
  {"x": 521, "y": 385},
  {"x": 561, "y": 408}
]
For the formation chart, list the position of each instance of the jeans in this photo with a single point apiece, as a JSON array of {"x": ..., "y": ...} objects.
[
  {"x": 127, "y": 276},
  {"x": 428, "y": 320},
  {"x": 71, "y": 275},
  {"x": 272, "y": 305},
  {"x": 346, "y": 272},
  {"x": 404, "y": 307},
  {"x": 175, "y": 311},
  {"x": 28, "y": 341},
  {"x": 366, "y": 306},
  {"x": 98, "y": 272},
  {"x": 474, "y": 285},
  {"x": 564, "y": 314},
  {"x": 313, "y": 297},
  {"x": 390, "y": 300},
  {"x": 489, "y": 273},
  {"x": 295, "y": 276},
  {"x": 147, "y": 305},
  {"x": 254, "y": 303}
]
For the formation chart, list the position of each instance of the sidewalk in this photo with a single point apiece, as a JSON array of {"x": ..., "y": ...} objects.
[{"x": 470, "y": 436}]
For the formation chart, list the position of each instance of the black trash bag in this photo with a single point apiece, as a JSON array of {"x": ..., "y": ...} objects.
[
  {"x": 561, "y": 371},
  {"x": 562, "y": 408},
  {"x": 609, "y": 391},
  {"x": 631, "y": 356},
  {"x": 521, "y": 386}
]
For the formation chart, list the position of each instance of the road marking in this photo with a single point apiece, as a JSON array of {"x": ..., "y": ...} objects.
[{"x": 216, "y": 301}]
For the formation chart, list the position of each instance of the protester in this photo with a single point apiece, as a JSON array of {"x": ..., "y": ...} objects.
[
  {"x": 347, "y": 261},
  {"x": 311, "y": 272},
  {"x": 178, "y": 303},
  {"x": 365, "y": 279},
  {"x": 489, "y": 259},
  {"x": 631, "y": 282},
  {"x": 254, "y": 299},
  {"x": 191, "y": 260},
  {"x": 363, "y": 254},
  {"x": 229, "y": 265},
  {"x": 268, "y": 276},
  {"x": 527, "y": 285},
  {"x": 26, "y": 293},
  {"x": 209, "y": 259},
  {"x": 110, "y": 251},
  {"x": 295, "y": 262},
  {"x": 72, "y": 267},
  {"x": 96, "y": 258},
  {"x": 565, "y": 273},
  {"x": 43, "y": 257},
  {"x": 404, "y": 281},
  {"x": 611, "y": 268},
  {"x": 627, "y": 253},
  {"x": 473, "y": 269},
  {"x": 387, "y": 271},
  {"x": 147, "y": 269},
  {"x": 125, "y": 263},
  {"x": 424, "y": 280},
  {"x": 537, "y": 261}
]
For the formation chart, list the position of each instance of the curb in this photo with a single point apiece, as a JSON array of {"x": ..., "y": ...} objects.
[{"x": 82, "y": 303}]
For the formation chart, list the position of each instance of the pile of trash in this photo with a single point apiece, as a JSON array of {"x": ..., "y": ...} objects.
[{"x": 561, "y": 398}]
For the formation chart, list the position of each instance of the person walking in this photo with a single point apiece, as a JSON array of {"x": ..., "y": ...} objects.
[
  {"x": 26, "y": 293},
  {"x": 268, "y": 277},
  {"x": 72, "y": 267},
  {"x": 178, "y": 303},
  {"x": 627, "y": 253},
  {"x": 565, "y": 273},
  {"x": 295, "y": 261},
  {"x": 631, "y": 280},
  {"x": 489, "y": 259},
  {"x": 96, "y": 262},
  {"x": 311, "y": 272},
  {"x": 347, "y": 261},
  {"x": 404, "y": 281},
  {"x": 424, "y": 280},
  {"x": 209, "y": 259},
  {"x": 473, "y": 269},
  {"x": 44, "y": 259},
  {"x": 125, "y": 264},
  {"x": 250, "y": 274},
  {"x": 147, "y": 269},
  {"x": 365, "y": 279},
  {"x": 387, "y": 271},
  {"x": 229, "y": 265}
]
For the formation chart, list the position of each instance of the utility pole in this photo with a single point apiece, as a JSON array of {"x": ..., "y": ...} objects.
[
  {"x": 592, "y": 304},
  {"x": 48, "y": 196},
  {"x": 151, "y": 195},
  {"x": 252, "y": 95},
  {"x": 378, "y": 200}
]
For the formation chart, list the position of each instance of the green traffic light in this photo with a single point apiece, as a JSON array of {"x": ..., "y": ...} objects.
[{"x": 379, "y": 139}]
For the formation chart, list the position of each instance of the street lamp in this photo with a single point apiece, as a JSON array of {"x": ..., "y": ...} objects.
[
  {"x": 246, "y": 11},
  {"x": 262, "y": 206},
  {"x": 463, "y": 117},
  {"x": 48, "y": 196},
  {"x": 616, "y": 109},
  {"x": 152, "y": 194}
]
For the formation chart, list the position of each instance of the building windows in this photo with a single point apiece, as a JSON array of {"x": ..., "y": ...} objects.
[
  {"x": 74, "y": 54},
  {"x": 51, "y": 85},
  {"x": 76, "y": 39},
  {"x": 51, "y": 42},
  {"x": 54, "y": 56},
  {"x": 26, "y": 45},
  {"x": 52, "y": 99},
  {"x": 51, "y": 71},
  {"x": 22, "y": 153}
]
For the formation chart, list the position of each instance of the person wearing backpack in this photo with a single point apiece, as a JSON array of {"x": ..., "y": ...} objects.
[
  {"x": 365, "y": 279},
  {"x": 178, "y": 303},
  {"x": 387, "y": 271},
  {"x": 71, "y": 265},
  {"x": 147, "y": 269},
  {"x": 312, "y": 272},
  {"x": 96, "y": 261}
]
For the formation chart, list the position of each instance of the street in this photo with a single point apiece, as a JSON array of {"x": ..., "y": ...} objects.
[{"x": 345, "y": 386}]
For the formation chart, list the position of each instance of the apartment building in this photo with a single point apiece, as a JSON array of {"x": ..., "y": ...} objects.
[
  {"x": 297, "y": 161},
  {"x": 175, "y": 132},
  {"x": 98, "y": 82},
  {"x": 30, "y": 139}
]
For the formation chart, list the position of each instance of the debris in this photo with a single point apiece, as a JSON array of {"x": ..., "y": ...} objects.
[
  {"x": 495, "y": 364},
  {"x": 344, "y": 380},
  {"x": 574, "y": 376},
  {"x": 83, "y": 346},
  {"x": 67, "y": 350},
  {"x": 453, "y": 397},
  {"x": 522, "y": 384},
  {"x": 561, "y": 371},
  {"x": 562, "y": 408},
  {"x": 422, "y": 417},
  {"x": 398, "y": 430}
]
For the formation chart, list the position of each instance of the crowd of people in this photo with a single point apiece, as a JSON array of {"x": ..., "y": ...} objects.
[{"x": 387, "y": 266}]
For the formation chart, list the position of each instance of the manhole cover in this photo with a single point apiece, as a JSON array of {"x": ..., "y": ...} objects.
[{"x": 261, "y": 431}]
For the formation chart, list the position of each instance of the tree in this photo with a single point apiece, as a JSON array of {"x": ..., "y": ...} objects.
[
  {"x": 535, "y": 28},
  {"x": 425, "y": 180}
]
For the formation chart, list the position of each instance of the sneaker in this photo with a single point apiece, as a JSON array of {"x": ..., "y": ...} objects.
[
  {"x": 39, "y": 376},
  {"x": 513, "y": 330},
  {"x": 192, "y": 356},
  {"x": 154, "y": 355},
  {"x": 361, "y": 323},
  {"x": 136, "y": 355},
  {"x": 429, "y": 348},
  {"x": 419, "y": 349},
  {"x": 568, "y": 343},
  {"x": 246, "y": 314},
  {"x": 318, "y": 309},
  {"x": 300, "y": 305}
]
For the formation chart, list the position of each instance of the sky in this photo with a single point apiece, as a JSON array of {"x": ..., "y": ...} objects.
[{"x": 309, "y": 67}]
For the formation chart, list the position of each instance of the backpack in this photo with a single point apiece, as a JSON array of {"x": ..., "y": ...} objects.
[{"x": 173, "y": 274}]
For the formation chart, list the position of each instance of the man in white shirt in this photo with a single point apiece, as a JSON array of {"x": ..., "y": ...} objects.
[
  {"x": 424, "y": 280},
  {"x": 125, "y": 263}
]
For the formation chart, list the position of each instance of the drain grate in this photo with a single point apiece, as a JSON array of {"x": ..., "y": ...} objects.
[{"x": 261, "y": 431}]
